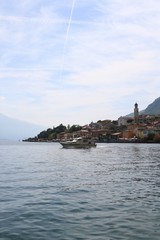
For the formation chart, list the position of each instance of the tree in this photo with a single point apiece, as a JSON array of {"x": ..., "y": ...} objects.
[
  {"x": 43, "y": 134},
  {"x": 60, "y": 128},
  {"x": 151, "y": 136},
  {"x": 75, "y": 128}
]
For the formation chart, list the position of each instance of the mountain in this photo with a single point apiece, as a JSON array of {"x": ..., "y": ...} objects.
[
  {"x": 153, "y": 108},
  {"x": 13, "y": 129}
]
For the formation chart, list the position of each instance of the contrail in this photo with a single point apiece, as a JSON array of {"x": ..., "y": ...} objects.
[
  {"x": 66, "y": 38},
  {"x": 70, "y": 19}
]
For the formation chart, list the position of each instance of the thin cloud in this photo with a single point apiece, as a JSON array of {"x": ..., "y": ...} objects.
[
  {"x": 2, "y": 98},
  {"x": 111, "y": 58}
]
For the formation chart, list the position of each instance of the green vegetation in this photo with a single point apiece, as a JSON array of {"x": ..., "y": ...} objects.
[
  {"x": 147, "y": 131},
  {"x": 52, "y": 134}
]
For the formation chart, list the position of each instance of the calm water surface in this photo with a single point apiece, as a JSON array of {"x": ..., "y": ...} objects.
[{"x": 105, "y": 193}]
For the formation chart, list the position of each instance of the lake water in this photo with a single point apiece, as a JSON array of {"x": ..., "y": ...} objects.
[{"x": 105, "y": 193}]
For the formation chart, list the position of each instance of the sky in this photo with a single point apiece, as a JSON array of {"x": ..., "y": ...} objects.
[{"x": 78, "y": 61}]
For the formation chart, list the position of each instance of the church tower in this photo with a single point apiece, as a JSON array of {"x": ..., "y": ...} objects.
[{"x": 136, "y": 113}]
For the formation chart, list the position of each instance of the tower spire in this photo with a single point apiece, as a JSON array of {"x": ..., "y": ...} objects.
[{"x": 136, "y": 113}]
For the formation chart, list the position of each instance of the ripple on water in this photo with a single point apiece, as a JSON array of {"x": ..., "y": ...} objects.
[{"x": 109, "y": 192}]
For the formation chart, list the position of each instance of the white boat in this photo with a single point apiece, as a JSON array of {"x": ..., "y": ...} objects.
[{"x": 79, "y": 143}]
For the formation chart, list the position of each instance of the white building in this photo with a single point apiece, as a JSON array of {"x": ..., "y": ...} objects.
[{"x": 124, "y": 121}]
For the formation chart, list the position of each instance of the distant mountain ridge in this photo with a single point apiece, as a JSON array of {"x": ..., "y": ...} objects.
[
  {"x": 152, "y": 109},
  {"x": 13, "y": 129}
]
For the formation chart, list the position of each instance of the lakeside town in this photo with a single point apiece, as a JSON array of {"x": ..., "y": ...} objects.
[{"x": 142, "y": 128}]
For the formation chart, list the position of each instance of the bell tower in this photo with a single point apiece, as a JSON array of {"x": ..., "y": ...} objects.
[{"x": 136, "y": 113}]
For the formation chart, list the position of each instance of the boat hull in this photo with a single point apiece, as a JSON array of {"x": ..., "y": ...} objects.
[
  {"x": 79, "y": 143},
  {"x": 72, "y": 145}
]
